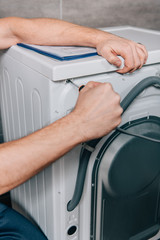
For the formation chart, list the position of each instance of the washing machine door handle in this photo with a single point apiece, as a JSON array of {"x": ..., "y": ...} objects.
[{"x": 86, "y": 153}]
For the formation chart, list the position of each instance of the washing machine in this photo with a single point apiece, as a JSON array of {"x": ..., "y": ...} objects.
[{"x": 104, "y": 189}]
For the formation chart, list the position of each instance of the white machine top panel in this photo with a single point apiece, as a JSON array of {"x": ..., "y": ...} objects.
[{"x": 60, "y": 70}]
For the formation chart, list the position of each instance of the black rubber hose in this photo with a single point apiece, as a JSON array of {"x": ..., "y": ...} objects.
[
  {"x": 147, "y": 82},
  {"x": 83, "y": 164},
  {"x": 85, "y": 154}
]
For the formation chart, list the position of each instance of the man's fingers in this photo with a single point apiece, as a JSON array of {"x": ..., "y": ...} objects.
[
  {"x": 129, "y": 61},
  {"x": 144, "y": 50},
  {"x": 113, "y": 58},
  {"x": 90, "y": 85},
  {"x": 134, "y": 54},
  {"x": 138, "y": 59},
  {"x": 135, "y": 58},
  {"x": 142, "y": 57}
]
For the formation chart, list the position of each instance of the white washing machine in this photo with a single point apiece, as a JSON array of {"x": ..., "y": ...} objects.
[{"x": 110, "y": 190}]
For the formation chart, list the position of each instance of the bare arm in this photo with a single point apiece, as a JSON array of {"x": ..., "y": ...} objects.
[
  {"x": 23, "y": 158},
  {"x": 46, "y": 31}
]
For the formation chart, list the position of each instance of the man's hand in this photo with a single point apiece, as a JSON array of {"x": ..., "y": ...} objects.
[
  {"x": 97, "y": 110},
  {"x": 134, "y": 54}
]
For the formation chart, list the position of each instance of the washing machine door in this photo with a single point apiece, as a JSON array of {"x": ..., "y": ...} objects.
[{"x": 126, "y": 176}]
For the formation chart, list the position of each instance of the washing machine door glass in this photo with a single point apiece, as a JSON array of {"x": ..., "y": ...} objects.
[{"x": 126, "y": 176}]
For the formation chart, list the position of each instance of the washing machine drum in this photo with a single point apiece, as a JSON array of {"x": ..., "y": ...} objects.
[{"x": 126, "y": 176}]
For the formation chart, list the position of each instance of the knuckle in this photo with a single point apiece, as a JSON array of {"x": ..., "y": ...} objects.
[
  {"x": 117, "y": 97},
  {"x": 143, "y": 47},
  {"x": 126, "y": 50},
  {"x": 138, "y": 64},
  {"x": 129, "y": 66},
  {"x": 90, "y": 83},
  {"x": 120, "y": 110},
  {"x": 108, "y": 86},
  {"x": 128, "y": 47},
  {"x": 117, "y": 122},
  {"x": 111, "y": 59},
  {"x": 132, "y": 44}
]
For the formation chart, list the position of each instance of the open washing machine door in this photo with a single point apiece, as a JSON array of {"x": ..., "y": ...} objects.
[
  {"x": 126, "y": 174},
  {"x": 125, "y": 178}
]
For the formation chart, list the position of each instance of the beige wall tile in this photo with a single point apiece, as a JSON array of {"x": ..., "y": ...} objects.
[
  {"x": 102, "y": 13},
  {"x": 30, "y": 8}
]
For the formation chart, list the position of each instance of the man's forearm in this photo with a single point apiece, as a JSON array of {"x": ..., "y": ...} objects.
[
  {"x": 46, "y": 31},
  {"x": 23, "y": 158}
]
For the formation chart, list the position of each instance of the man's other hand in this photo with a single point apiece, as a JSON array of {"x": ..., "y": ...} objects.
[{"x": 134, "y": 54}]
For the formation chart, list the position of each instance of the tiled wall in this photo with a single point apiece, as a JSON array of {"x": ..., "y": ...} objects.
[
  {"x": 94, "y": 13},
  {"x": 102, "y": 13}
]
